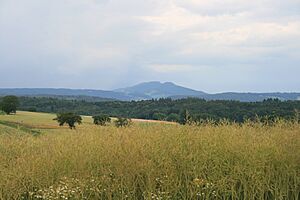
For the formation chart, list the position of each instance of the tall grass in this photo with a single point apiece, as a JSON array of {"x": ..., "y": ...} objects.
[{"x": 228, "y": 161}]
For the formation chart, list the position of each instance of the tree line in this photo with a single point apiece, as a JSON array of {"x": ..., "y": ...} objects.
[{"x": 168, "y": 109}]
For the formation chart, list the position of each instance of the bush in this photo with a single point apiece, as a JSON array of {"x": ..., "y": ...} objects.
[
  {"x": 101, "y": 120},
  {"x": 123, "y": 122},
  {"x": 68, "y": 118}
]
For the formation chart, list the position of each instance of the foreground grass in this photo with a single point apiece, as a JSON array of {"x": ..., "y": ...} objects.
[{"x": 150, "y": 161}]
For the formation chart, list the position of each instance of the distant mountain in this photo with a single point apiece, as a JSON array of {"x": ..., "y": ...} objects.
[
  {"x": 246, "y": 97},
  {"x": 71, "y": 93},
  {"x": 155, "y": 90},
  {"x": 145, "y": 91},
  {"x": 253, "y": 97}
]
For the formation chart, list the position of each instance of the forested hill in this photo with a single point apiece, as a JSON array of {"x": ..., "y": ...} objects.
[
  {"x": 166, "y": 109},
  {"x": 145, "y": 91}
]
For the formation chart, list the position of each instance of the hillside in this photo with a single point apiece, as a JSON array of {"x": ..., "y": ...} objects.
[
  {"x": 71, "y": 93},
  {"x": 157, "y": 90}
]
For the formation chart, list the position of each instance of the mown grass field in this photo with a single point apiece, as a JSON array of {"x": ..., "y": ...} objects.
[{"x": 40, "y": 160}]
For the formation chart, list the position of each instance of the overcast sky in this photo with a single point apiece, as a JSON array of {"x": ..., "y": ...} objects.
[{"x": 209, "y": 45}]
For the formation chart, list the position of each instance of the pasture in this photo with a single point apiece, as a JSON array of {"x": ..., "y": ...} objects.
[{"x": 40, "y": 160}]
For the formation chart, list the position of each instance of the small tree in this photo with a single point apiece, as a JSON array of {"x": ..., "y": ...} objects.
[
  {"x": 123, "y": 122},
  {"x": 101, "y": 120},
  {"x": 68, "y": 118},
  {"x": 9, "y": 104}
]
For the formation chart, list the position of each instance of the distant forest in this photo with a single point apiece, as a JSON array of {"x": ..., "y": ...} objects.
[{"x": 168, "y": 109}]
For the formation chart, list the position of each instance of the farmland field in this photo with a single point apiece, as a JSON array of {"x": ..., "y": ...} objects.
[{"x": 40, "y": 160}]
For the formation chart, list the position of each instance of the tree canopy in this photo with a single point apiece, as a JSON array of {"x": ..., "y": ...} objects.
[
  {"x": 101, "y": 120},
  {"x": 68, "y": 118},
  {"x": 9, "y": 104},
  {"x": 168, "y": 109}
]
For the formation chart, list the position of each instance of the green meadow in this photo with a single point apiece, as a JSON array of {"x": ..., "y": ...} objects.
[{"x": 40, "y": 160}]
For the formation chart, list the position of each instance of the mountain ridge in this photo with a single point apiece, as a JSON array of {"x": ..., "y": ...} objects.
[
  {"x": 156, "y": 89},
  {"x": 146, "y": 91}
]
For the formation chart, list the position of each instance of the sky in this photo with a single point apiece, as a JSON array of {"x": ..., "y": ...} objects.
[{"x": 208, "y": 45}]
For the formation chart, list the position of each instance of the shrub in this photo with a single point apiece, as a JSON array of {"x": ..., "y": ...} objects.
[
  {"x": 69, "y": 118},
  {"x": 123, "y": 122},
  {"x": 101, "y": 120}
]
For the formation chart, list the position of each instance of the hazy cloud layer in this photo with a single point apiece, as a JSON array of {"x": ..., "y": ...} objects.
[{"x": 210, "y": 45}]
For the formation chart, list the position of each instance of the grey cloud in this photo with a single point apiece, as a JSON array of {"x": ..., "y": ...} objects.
[{"x": 230, "y": 46}]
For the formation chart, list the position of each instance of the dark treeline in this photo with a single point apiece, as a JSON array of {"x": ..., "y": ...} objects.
[{"x": 167, "y": 109}]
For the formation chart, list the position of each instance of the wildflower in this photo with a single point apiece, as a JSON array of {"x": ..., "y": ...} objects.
[{"x": 198, "y": 182}]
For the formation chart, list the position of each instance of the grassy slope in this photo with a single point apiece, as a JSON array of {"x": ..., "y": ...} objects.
[
  {"x": 148, "y": 160},
  {"x": 36, "y": 119}
]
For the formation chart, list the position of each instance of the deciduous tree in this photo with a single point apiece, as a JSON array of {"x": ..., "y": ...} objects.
[
  {"x": 68, "y": 118},
  {"x": 9, "y": 104}
]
